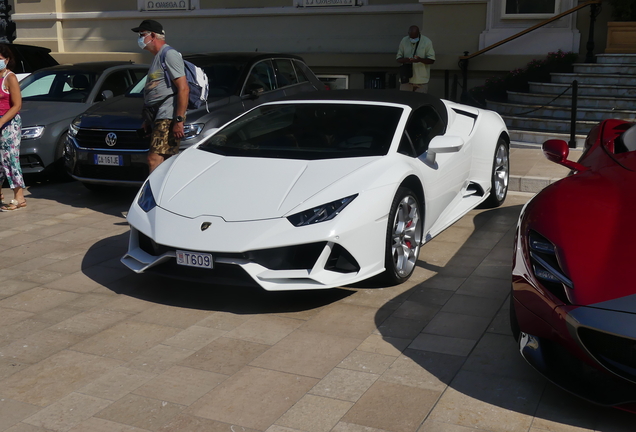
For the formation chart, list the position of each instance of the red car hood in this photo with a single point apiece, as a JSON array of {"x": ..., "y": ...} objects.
[{"x": 591, "y": 219}]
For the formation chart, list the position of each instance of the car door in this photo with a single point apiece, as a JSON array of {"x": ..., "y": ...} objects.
[
  {"x": 261, "y": 85},
  {"x": 443, "y": 175}
]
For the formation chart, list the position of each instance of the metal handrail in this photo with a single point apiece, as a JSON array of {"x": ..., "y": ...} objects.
[
  {"x": 530, "y": 29},
  {"x": 589, "y": 58}
]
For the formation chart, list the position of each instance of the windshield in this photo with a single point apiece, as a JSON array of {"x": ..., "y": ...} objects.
[
  {"x": 222, "y": 79},
  {"x": 58, "y": 86},
  {"x": 308, "y": 131}
]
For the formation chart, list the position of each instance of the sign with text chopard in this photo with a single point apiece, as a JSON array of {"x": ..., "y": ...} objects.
[
  {"x": 318, "y": 3},
  {"x": 156, "y": 5}
]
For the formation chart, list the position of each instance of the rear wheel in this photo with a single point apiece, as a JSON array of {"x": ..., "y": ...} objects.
[
  {"x": 404, "y": 236},
  {"x": 500, "y": 175}
]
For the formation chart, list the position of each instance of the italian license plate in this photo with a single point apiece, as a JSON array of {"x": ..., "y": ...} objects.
[
  {"x": 111, "y": 160},
  {"x": 195, "y": 259}
]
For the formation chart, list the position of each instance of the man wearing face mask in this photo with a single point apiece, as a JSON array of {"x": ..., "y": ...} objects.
[
  {"x": 417, "y": 50},
  {"x": 165, "y": 94}
]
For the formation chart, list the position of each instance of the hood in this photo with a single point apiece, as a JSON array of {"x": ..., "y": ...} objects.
[
  {"x": 124, "y": 112},
  {"x": 120, "y": 112},
  {"x": 45, "y": 113},
  {"x": 589, "y": 217},
  {"x": 246, "y": 189}
]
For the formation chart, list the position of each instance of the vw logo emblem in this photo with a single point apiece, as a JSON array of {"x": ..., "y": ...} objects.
[
  {"x": 111, "y": 139},
  {"x": 205, "y": 225}
]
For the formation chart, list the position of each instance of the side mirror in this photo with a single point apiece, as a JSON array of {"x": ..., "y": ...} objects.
[
  {"x": 557, "y": 151},
  {"x": 443, "y": 144},
  {"x": 106, "y": 94},
  {"x": 253, "y": 91}
]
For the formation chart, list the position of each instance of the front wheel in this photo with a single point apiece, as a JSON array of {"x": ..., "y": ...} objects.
[
  {"x": 500, "y": 175},
  {"x": 404, "y": 236}
]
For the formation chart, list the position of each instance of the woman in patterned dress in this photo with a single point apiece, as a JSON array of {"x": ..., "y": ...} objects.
[{"x": 10, "y": 130}]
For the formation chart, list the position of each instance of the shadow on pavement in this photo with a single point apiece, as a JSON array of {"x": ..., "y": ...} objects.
[
  {"x": 453, "y": 331},
  {"x": 74, "y": 194},
  {"x": 101, "y": 263}
]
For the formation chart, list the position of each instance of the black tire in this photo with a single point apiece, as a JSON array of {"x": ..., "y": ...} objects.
[
  {"x": 500, "y": 176},
  {"x": 514, "y": 322},
  {"x": 403, "y": 236}
]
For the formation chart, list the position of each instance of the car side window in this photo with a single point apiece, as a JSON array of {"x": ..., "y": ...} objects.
[
  {"x": 117, "y": 82},
  {"x": 422, "y": 127},
  {"x": 261, "y": 77},
  {"x": 285, "y": 73},
  {"x": 300, "y": 71},
  {"x": 406, "y": 146},
  {"x": 138, "y": 74}
]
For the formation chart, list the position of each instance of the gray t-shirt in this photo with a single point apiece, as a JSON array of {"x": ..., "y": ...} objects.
[{"x": 157, "y": 89}]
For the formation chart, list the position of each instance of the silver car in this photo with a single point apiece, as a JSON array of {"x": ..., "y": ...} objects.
[{"x": 52, "y": 97}]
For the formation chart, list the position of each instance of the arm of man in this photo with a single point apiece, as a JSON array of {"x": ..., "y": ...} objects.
[
  {"x": 400, "y": 55},
  {"x": 183, "y": 92}
]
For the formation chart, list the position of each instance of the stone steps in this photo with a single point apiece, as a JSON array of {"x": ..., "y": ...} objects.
[
  {"x": 598, "y": 79},
  {"x": 606, "y": 89},
  {"x": 605, "y": 68},
  {"x": 552, "y": 125},
  {"x": 565, "y": 100},
  {"x": 615, "y": 58},
  {"x": 560, "y": 112},
  {"x": 584, "y": 90},
  {"x": 537, "y": 138}
]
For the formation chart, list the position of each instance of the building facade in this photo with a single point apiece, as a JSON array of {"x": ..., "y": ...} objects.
[{"x": 350, "y": 43}]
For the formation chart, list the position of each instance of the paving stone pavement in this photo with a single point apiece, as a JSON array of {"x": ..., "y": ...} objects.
[{"x": 88, "y": 346}]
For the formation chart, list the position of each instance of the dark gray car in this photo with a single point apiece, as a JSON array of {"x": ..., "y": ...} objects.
[
  {"x": 106, "y": 145},
  {"x": 52, "y": 97}
]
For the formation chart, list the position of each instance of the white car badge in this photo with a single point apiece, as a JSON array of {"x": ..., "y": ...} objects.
[{"x": 111, "y": 139}]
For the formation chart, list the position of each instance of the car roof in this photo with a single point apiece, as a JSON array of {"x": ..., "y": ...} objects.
[
  {"x": 98, "y": 66},
  {"x": 411, "y": 99},
  {"x": 241, "y": 57}
]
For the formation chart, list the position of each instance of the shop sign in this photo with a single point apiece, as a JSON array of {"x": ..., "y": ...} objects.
[
  {"x": 319, "y": 3},
  {"x": 162, "y": 5}
]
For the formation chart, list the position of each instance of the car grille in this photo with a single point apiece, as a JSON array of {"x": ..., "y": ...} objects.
[
  {"x": 297, "y": 257},
  {"x": 616, "y": 353},
  {"x": 96, "y": 138},
  {"x": 136, "y": 172}
]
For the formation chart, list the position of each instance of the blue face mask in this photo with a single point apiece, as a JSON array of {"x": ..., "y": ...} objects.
[
  {"x": 3, "y": 65},
  {"x": 417, "y": 39},
  {"x": 141, "y": 42}
]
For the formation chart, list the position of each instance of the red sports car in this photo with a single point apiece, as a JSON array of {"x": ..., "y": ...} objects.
[{"x": 573, "y": 303}]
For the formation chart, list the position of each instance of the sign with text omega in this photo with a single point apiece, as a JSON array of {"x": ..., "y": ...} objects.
[
  {"x": 157, "y": 5},
  {"x": 318, "y": 3}
]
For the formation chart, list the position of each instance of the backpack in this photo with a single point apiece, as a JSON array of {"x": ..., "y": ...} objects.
[{"x": 197, "y": 82}]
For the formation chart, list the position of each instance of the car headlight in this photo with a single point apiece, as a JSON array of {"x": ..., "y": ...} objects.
[
  {"x": 146, "y": 200},
  {"x": 321, "y": 213},
  {"x": 73, "y": 128},
  {"x": 546, "y": 267},
  {"x": 32, "y": 132},
  {"x": 192, "y": 130}
]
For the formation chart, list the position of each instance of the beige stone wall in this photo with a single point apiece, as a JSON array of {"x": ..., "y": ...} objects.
[
  {"x": 34, "y": 6},
  {"x": 89, "y": 6}
]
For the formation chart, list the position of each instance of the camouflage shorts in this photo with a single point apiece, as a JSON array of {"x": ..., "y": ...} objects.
[{"x": 162, "y": 140}]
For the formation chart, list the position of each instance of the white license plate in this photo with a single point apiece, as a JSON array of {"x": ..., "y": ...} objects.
[
  {"x": 195, "y": 259},
  {"x": 112, "y": 160}
]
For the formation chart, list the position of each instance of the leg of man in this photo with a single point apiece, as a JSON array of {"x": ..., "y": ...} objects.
[{"x": 162, "y": 143}]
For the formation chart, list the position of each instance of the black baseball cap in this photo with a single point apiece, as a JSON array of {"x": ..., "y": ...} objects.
[{"x": 149, "y": 25}]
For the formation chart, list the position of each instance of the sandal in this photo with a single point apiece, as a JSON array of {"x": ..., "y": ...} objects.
[{"x": 13, "y": 205}]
